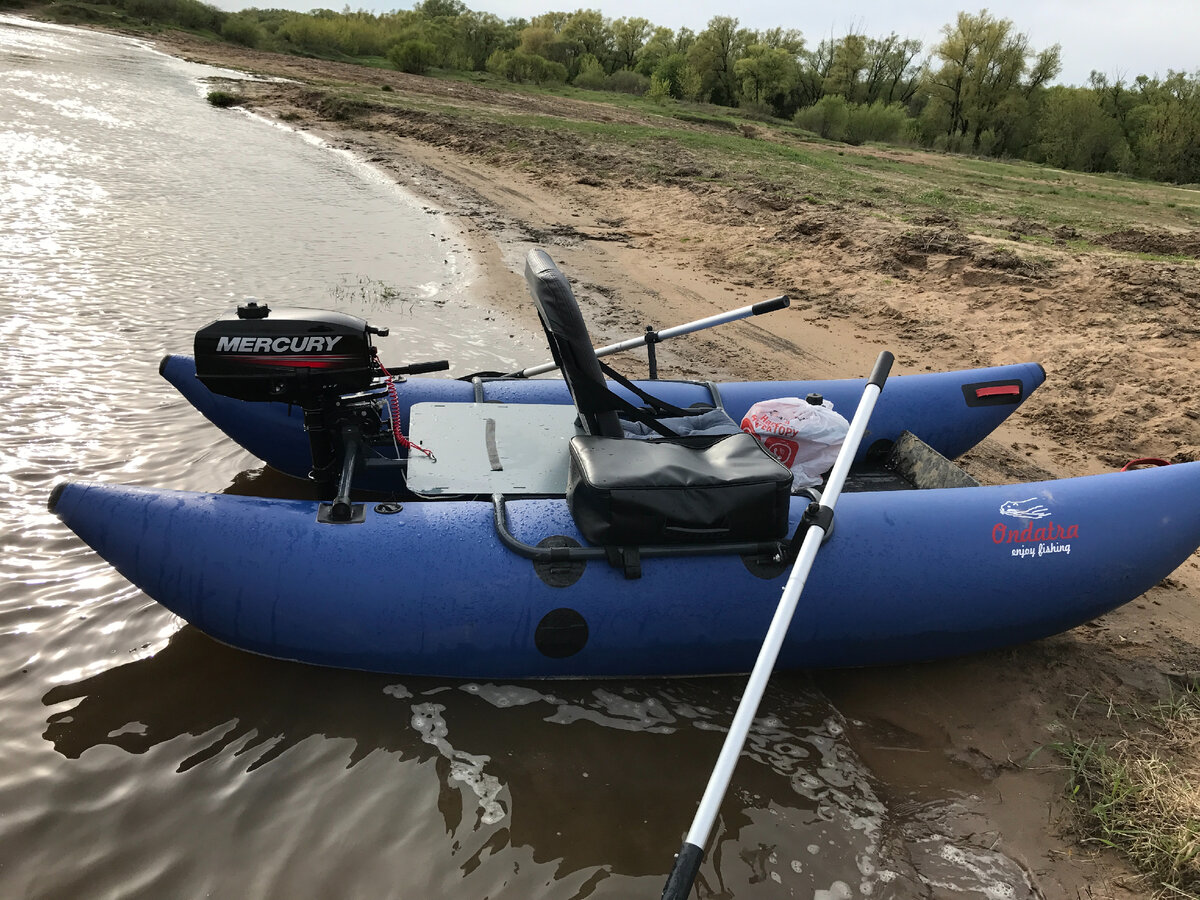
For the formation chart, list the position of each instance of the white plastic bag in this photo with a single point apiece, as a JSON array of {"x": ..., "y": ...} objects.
[{"x": 804, "y": 436}]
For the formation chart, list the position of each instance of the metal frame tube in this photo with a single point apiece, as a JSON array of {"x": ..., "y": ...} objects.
[{"x": 744, "y": 312}]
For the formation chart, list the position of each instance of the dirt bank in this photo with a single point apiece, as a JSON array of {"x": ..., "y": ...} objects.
[{"x": 1116, "y": 331}]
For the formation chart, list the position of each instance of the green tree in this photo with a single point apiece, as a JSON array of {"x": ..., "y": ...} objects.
[
  {"x": 519, "y": 66},
  {"x": 1074, "y": 132},
  {"x": 959, "y": 53},
  {"x": 981, "y": 80},
  {"x": 814, "y": 69},
  {"x": 629, "y": 37},
  {"x": 847, "y": 67},
  {"x": 1166, "y": 128},
  {"x": 591, "y": 33},
  {"x": 766, "y": 73},
  {"x": 555, "y": 21},
  {"x": 660, "y": 90},
  {"x": 437, "y": 9},
  {"x": 788, "y": 39},
  {"x": 893, "y": 73},
  {"x": 658, "y": 46},
  {"x": 661, "y": 43},
  {"x": 628, "y": 82},
  {"x": 683, "y": 82},
  {"x": 543, "y": 41},
  {"x": 413, "y": 56},
  {"x": 241, "y": 28},
  {"x": 876, "y": 121},
  {"x": 591, "y": 76},
  {"x": 1114, "y": 97},
  {"x": 827, "y": 117},
  {"x": 479, "y": 35},
  {"x": 187, "y": 13},
  {"x": 713, "y": 54}
]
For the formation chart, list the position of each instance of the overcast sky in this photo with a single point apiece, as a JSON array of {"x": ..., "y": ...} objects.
[{"x": 1117, "y": 38}]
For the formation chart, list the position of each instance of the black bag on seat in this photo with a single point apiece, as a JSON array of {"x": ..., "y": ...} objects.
[{"x": 704, "y": 490}]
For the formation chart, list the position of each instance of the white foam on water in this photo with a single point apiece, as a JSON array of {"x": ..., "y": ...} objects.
[
  {"x": 614, "y": 711},
  {"x": 503, "y": 696},
  {"x": 839, "y": 890},
  {"x": 465, "y": 768},
  {"x": 986, "y": 872}
]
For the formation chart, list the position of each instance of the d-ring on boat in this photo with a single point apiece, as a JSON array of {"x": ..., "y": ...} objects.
[{"x": 547, "y": 541}]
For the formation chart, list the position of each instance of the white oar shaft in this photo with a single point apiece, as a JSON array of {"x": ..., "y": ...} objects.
[
  {"x": 744, "y": 312},
  {"x": 680, "y": 882},
  {"x": 722, "y": 774},
  {"x": 757, "y": 684}
]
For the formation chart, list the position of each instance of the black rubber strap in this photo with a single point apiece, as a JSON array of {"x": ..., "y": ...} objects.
[
  {"x": 594, "y": 398},
  {"x": 662, "y": 407}
]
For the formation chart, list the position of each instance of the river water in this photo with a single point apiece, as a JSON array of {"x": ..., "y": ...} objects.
[{"x": 142, "y": 759}]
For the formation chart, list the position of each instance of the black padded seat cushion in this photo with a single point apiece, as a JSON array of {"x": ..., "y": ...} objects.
[{"x": 719, "y": 489}]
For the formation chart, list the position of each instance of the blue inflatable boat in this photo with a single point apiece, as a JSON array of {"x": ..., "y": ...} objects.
[
  {"x": 950, "y": 411},
  {"x": 434, "y": 589},
  {"x": 590, "y": 526}
]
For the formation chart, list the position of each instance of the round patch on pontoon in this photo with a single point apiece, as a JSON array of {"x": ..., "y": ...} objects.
[
  {"x": 560, "y": 573},
  {"x": 561, "y": 633},
  {"x": 766, "y": 567}
]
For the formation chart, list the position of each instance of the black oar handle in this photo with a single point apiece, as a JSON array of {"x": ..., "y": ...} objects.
[
  {"x": 683, "y": 874},
  {"x": 771, "y": 305},
  {"x": 439, "y": 365},
  {"x": 883, "y": 365}
]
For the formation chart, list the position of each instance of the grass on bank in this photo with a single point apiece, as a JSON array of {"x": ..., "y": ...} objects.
[
  {"x": 224, "y": 99},
  {"x": 1140, "y": 795},
  {"x": 979, "y": 195}
]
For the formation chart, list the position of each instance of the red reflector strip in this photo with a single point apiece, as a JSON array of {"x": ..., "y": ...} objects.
[
  {"x": 999, "y": 390},
  {"x": 296, "y": 362}
]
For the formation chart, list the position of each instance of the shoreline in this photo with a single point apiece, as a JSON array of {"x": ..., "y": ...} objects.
[{"x": 970, "y": 731}]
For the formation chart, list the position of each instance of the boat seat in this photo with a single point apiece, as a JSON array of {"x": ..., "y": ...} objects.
[
  {"x": 602, "y": 411},
  {"x": 693, "y": 476}
]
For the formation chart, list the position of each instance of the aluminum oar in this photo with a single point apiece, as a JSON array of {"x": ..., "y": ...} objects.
[
  {"x": 691, "y": 854},
  {"x": 655, "y": 337}
]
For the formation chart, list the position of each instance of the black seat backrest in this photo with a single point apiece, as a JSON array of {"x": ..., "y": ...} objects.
[{"x": 570, "y": 345}]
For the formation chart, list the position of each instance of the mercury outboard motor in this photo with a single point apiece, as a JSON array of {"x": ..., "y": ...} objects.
[
  {"x": 325, "y": 363},
  {"x": 292, "y": 355}
]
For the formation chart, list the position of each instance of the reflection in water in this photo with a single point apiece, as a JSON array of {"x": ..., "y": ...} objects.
[
  {"x": 267, "y": 482},
  {"x": 590, "y": 778}
]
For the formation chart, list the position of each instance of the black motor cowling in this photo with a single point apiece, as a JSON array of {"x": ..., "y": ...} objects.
[{"x": 291, "y": 355}]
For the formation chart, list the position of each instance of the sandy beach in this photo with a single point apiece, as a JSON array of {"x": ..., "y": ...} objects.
[{"x": 1117, "y": 334}]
